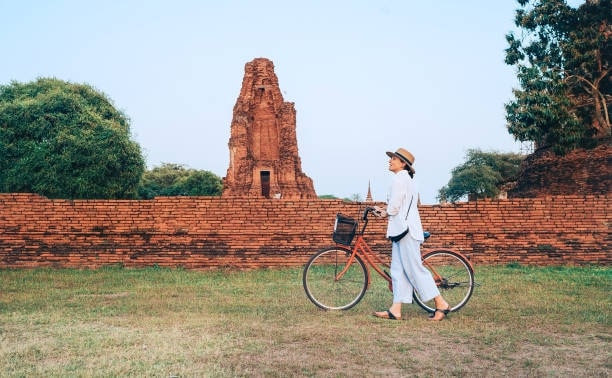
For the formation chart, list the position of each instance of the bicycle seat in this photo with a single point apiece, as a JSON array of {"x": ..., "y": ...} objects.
[{"x": 426, "y": 234}]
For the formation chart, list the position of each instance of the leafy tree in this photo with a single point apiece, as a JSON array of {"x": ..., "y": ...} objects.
[
  {"x": 355, "y": 197},
  {"x": 65, "y": 140},
  {"x": 327, "y": 196},
  {"x": 563, "y": 68},
  {"x": 177, "y": 180},
  {"x": 481, "y": 175}
]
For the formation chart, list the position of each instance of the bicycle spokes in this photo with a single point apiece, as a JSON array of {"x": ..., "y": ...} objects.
[
  {"x": 335, "y": 280},
  {"x": 453, "y": 276}
]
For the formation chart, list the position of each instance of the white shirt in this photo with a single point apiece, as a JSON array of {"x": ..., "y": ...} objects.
[{"x": 401, "y": 212}]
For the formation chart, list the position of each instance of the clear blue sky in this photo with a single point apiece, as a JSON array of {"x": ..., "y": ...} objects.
[{"x": 365, "y": 76}]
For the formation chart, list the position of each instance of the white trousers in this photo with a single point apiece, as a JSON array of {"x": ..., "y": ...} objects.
[{"x": 408, "y": 273}]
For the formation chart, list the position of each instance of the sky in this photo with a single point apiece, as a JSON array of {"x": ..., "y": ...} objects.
[{"x": 365, "y": 77}]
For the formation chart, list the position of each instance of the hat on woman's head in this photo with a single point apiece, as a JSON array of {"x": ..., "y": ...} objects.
[{"x": 404, "y": 156}]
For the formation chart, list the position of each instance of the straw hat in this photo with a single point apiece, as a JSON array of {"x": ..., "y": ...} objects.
[{"x": 404, "y": 156}]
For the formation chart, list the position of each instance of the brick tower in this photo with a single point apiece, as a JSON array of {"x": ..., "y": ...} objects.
[{"x": 264, "y": 160}]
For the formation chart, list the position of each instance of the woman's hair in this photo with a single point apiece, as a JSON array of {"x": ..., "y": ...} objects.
[{"x": 407, "y": 168}]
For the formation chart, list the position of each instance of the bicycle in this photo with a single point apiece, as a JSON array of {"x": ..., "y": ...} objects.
[{"x": 336, "y": 278}]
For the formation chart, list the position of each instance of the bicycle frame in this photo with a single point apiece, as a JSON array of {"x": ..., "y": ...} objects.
[{"x": 363, "y": 250}]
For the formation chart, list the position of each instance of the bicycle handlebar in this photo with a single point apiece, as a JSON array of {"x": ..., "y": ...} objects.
[
  {"x": 371, "y": 209},
  {"x": 364, "y": 217},
  {"x": 367, "y": 210}
]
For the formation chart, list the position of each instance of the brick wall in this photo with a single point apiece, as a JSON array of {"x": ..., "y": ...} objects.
[
  {"x": 579, "y": 172},
  {"x": 208, "y": 232}
]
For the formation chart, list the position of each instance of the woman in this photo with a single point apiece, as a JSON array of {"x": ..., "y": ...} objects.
[{"x": 407, "y": 270}]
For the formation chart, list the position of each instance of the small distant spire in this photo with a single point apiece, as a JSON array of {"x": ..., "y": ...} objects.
[{"x": 369, "y": 196}]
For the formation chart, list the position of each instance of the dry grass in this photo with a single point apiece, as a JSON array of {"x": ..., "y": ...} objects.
[{"x": 158, "y": 322}]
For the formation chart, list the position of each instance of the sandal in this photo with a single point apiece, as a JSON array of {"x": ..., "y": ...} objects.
[
  {"x": 387, "y": 315},
  {"x": 444, "y": 312}
]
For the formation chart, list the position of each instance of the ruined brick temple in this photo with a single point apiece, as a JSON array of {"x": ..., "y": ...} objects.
[{"x": 264, "y": 160}]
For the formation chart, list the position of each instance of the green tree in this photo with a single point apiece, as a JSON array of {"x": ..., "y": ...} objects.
[
  {"x": 65, "y": 140},
  {"x": 327, "y": 196},
  {"x": 355, "y": 197},
  {"x": 563, "y": 67},
  {"x": 177, "y": 180},
  {"x": 481, "y": 176}
]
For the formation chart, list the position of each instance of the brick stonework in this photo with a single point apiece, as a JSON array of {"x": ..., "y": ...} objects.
[
  {"x": 580, "y": 172},
  {"x": 209, "y": 232},
  {"x": 264, "y": 159}
]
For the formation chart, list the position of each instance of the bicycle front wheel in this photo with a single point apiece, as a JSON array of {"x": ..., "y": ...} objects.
[
  {"x": 333, "y": 280},
  {"x": 454, "y": 277}
]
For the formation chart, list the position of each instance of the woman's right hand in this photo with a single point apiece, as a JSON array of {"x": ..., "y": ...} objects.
[{"x": 379, "y": 212}]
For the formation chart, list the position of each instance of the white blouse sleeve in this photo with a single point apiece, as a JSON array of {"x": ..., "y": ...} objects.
[{"x": 398, "y": 192}]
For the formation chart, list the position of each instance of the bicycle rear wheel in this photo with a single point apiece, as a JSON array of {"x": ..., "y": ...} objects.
[
  {"x": 457, "y": 279},
  {"x": 325, "y": 288}
]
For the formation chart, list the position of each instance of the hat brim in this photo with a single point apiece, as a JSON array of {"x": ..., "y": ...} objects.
[{"x": 391, "y": 154}]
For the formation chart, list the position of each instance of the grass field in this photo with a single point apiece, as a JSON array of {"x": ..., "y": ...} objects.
[{"x": 521, "y": 321}]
